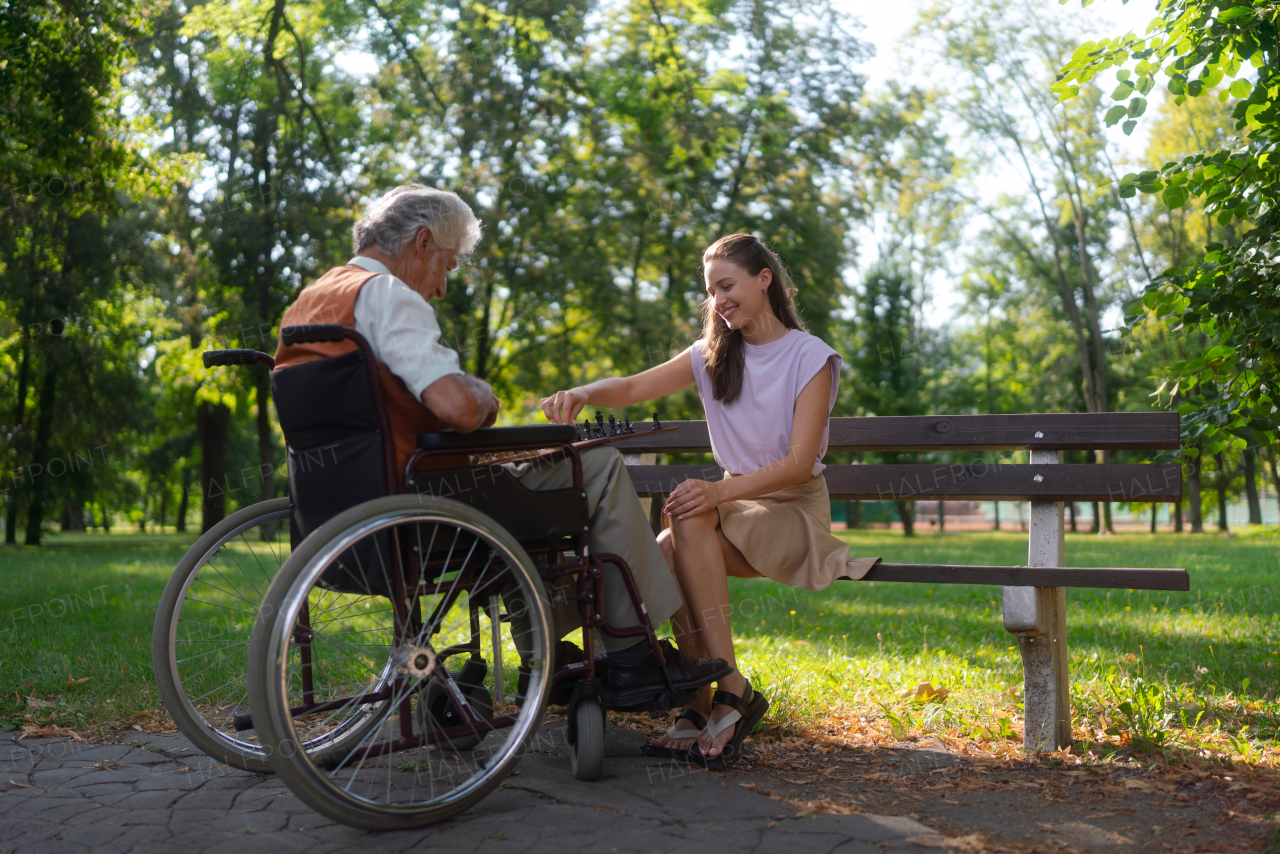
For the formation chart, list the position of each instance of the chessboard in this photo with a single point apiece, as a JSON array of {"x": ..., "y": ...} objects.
[{"x": 590, "y": 434}]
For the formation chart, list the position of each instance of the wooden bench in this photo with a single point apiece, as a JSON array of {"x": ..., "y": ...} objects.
[{"x": 1035, "y": 594}]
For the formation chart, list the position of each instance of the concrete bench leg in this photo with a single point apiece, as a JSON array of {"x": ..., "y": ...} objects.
[{"x": 1038, "y": 616}]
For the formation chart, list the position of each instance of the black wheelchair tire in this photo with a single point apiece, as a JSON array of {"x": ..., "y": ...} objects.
[
  {"x": 186, "y": 716},
  {"x": 586, "y": 758}
]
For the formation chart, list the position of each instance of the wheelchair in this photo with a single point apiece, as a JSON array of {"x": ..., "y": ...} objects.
[{"x": 402, "y": 653}]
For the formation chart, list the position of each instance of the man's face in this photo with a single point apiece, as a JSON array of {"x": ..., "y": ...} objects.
[{"x": 425, "y": 265}]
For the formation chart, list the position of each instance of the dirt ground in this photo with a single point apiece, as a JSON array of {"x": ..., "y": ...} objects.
[{"x": 1058, "y": 803}]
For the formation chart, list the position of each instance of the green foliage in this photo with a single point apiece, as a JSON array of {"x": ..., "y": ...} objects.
[{"x": 1231, "y": 293}]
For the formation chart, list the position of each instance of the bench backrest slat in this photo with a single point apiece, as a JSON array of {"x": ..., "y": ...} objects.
[
  {"x": 960, "y": 482},
  {"x": 1105, "y": 431}
]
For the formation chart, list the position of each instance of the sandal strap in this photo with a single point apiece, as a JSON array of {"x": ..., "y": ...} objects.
[
  {"x": 687, "y": 715},
  {"x": 739, "y": 704}
]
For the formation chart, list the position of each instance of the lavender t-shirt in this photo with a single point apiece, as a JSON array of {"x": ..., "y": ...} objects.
[{"x": 755, "y": 430}]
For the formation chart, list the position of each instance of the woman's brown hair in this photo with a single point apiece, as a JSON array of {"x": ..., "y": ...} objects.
[{"x": 725, "y": 353}]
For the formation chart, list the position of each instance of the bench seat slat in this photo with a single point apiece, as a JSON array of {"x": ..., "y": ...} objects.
[
  {"x": 961, "y": 482},
  {"x": 1039, "y": 576},
  {"x": 1066, "y": 431}
]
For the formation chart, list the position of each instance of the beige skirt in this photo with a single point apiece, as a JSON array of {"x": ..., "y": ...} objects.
[{"x": 786, "y": 536}]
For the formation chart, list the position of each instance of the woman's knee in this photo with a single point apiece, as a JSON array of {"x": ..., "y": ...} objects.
[{"x": 699, "y": 526}]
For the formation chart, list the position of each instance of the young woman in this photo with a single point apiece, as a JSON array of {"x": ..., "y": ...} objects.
[{"x": 768, "y": 387}]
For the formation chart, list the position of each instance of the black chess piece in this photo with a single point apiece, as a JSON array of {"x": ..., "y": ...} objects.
[
  {"x": 626, "y": 424},
  {"x": 613, "y": 426},
  {"x": 586, "y": 428},
  {"x": 600, "y": 424},
  {"x": 657, "y": 425}
]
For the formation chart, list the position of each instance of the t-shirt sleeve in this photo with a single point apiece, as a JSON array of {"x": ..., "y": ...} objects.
[
  {"x": 403, "y": 331},
  {"x": 697, "y": 355},
  {"x": 815, "y": 356}
]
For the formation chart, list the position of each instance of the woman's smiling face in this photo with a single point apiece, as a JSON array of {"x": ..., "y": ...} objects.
[{"x": 738, "y": 297}]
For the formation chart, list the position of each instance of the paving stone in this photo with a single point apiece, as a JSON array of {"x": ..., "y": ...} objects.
[
  {"x": 58, "y": 777},
  {"x": 50, "y": 846},
  {"x": 153, "y": 800},
  {"x": 93, "y": 835},
  {"x": 261, "y": 843},
  {"x": 97, "y": 790},
  {"x": 12, "y": 829}
]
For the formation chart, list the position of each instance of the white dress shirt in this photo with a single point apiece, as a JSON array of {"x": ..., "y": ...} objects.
[{"x": 402, "y": 329}]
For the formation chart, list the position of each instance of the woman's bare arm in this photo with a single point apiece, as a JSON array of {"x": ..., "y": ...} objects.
[
  {"x": 669, "y": 377},
  {"x": 699, "y": 496}
]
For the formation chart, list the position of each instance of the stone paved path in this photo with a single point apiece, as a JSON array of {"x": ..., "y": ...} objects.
[{"x": 160, "y": 795}]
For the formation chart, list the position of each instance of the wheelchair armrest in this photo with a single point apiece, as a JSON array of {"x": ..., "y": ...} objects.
[
  {"x": 311, "y": 333},
  {"x": 222, "y": 358},
  {"x": 497, "y": 438}
]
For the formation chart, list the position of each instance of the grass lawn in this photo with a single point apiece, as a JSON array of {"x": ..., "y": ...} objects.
[{"x": 1176, "y": 671}]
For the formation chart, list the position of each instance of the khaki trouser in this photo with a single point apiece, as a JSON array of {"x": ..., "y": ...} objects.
[{"x": 617, "y": 524}]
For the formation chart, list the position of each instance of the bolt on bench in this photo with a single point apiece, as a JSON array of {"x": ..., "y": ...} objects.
[{"x": 1035, "y": 594}]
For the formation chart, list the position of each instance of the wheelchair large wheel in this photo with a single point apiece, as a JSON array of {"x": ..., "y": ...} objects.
[
  {"x": 369, "y": 660},
  {"x": 200, "y": 643}
]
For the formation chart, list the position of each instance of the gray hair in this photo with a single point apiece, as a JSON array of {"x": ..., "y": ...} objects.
[{"x": 392, "y": 221}]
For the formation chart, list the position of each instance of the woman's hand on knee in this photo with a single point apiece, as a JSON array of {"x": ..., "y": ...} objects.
[{"x": 691, "y": 498}]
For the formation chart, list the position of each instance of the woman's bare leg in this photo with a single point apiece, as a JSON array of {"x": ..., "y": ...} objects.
[
  {"x": 702, "y": 567},
  {"x": 689, "y": 640}
]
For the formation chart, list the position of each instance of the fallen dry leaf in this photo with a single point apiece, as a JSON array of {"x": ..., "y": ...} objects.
[{"x": 925, "y": 692}]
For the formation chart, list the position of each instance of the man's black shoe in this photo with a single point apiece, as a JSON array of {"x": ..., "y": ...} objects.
[
  {"x": 567, "y": 653},
  {"x": 629, "y": 686}
]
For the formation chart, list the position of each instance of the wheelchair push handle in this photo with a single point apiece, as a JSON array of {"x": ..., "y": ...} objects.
[
  {"x": 223, "y": 358},
  {"x": 312, "y": 333}
]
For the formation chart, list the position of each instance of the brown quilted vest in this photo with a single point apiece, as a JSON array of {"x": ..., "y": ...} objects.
[{"x": 332, "y": 299}]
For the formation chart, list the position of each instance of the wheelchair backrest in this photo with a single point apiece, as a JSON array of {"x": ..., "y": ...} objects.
[{"x": 334, "y": 432}]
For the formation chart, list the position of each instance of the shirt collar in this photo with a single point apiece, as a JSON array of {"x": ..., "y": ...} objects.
[{"x": 369, "y": 264}]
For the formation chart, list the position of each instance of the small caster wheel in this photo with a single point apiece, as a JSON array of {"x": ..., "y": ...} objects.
[
  {"x": 435, "y": 711},
  {"x": 586, "y": 758}
]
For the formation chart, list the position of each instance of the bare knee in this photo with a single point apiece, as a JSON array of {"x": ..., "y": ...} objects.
[
  {"x": 693, "y": 527},
  {"x": 668, "y": 548}
]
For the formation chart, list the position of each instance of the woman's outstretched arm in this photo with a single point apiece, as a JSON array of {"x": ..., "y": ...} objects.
[
  {"x": 669, "y": 377},
  {"x": 699, "y": 496}
]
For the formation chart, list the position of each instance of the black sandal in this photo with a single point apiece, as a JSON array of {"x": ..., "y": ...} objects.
[
  {"x": 664, "y": 752},
  {"x": 744, "y": 717}
]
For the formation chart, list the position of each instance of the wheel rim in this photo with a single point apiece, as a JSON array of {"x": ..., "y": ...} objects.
[
  {"x": 210, "y": 629},
  {"x": 384, "y": 771}
]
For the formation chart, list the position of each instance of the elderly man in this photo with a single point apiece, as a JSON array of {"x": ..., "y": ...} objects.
[{"x": 405, "y": 245}]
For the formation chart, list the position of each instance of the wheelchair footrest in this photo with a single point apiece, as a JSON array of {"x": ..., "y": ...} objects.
[{"x": 661, "y": 702}]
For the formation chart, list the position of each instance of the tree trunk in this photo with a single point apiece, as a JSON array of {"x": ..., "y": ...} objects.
[
  {"x": 164, "y": 505},
  {"x": 44, "y": 432},
  {"x": 853, "y": 514},
  {"x": 266, "y": 451},
  {"x": 942, "y": 517},
  {"x": 1071, "y": 509},
  {"x": 106, "y": 520},
  {"x": 1177, "y": 518},
  {"x": 906, "y": 510},
  {"x": 19, "y": 419},
  {"x": 1095, "y": 522},
  {"x": 1220, "y": 483},
  {"x": 1251, "y": 486},
  {"x": 1155, "y": 510},
  {"x": 995, "y": 505},
  {"x": 1195, "y": 510},
  {"x": 180, "y": 524},
  {"x": 1275, "y": 474},
  {"x": 213, "y": 420}
]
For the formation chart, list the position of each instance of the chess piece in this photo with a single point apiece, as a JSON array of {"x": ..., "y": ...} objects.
[
  {"x": 599, "y": 424},
  {"x": 613, "y": 426},
  {"x": 657, "y": 425},
  {"x": 626, "y": 424}
]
